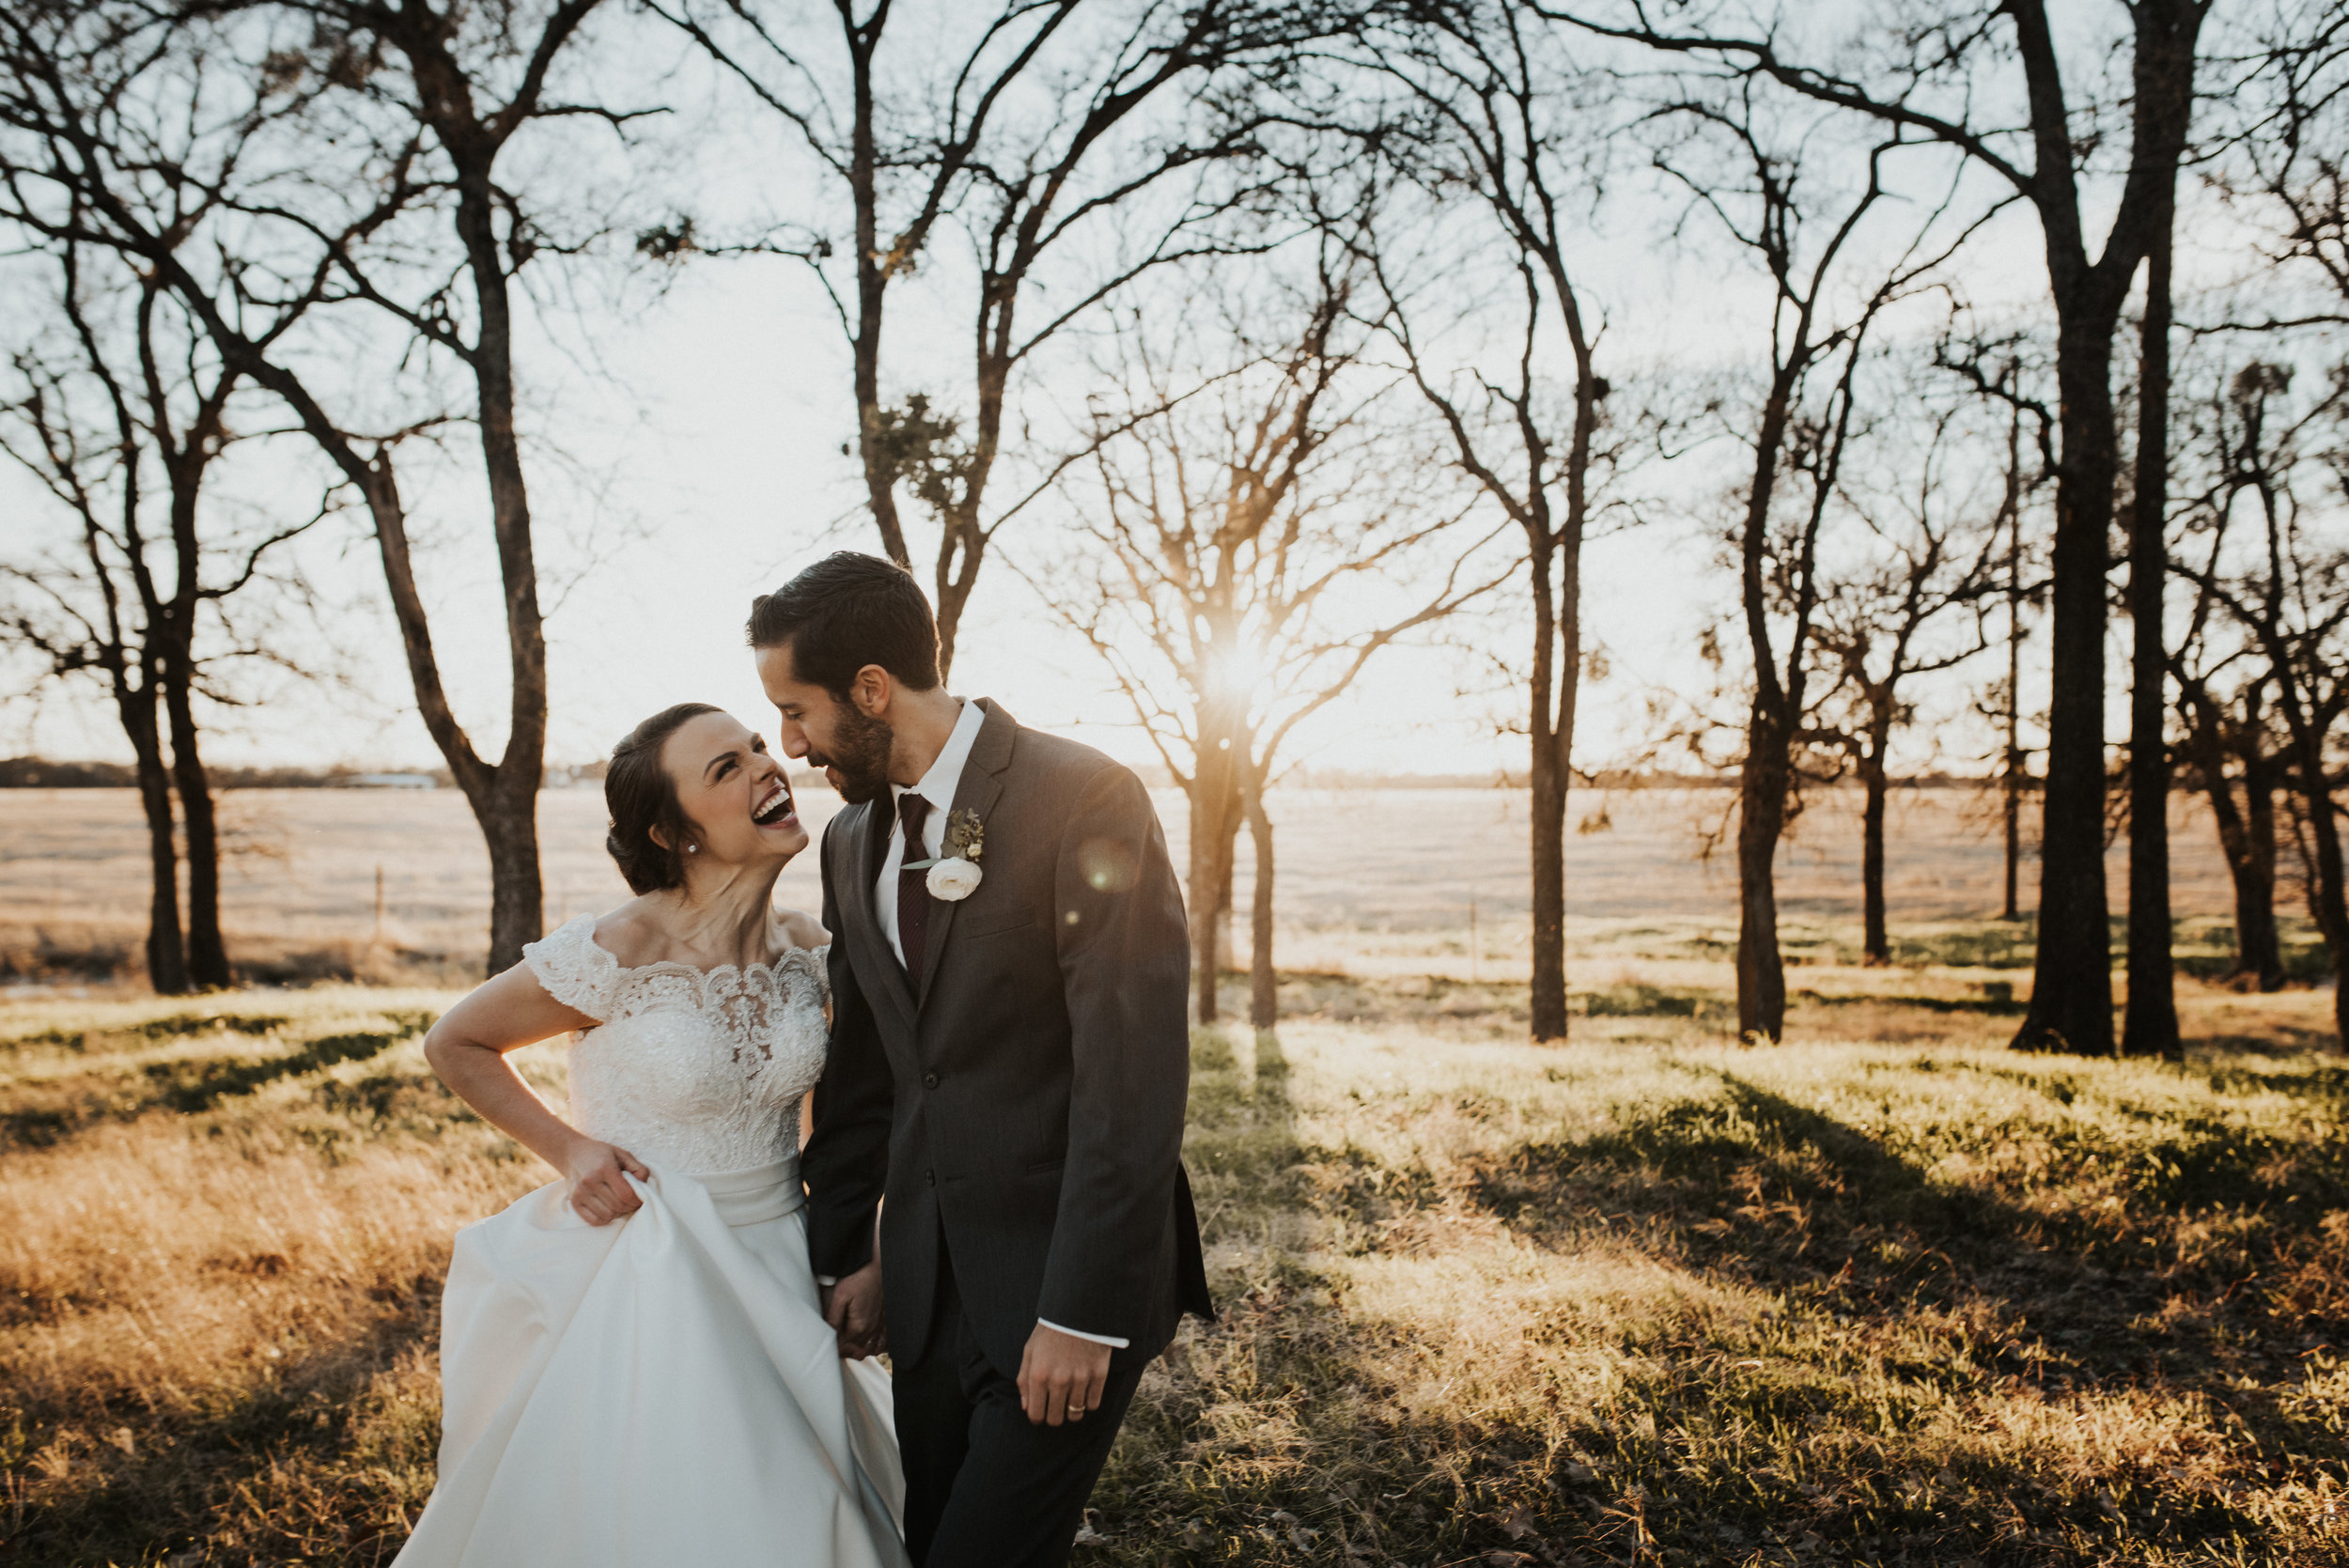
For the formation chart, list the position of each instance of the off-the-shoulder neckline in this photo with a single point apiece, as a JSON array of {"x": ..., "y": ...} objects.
[{"x": 670, "y": 965}]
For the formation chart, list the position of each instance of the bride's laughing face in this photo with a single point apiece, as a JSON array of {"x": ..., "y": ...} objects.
[{"x": 734, "y": 794}]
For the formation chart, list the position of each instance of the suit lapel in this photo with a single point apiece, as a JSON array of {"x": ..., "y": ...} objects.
[
  {"x": 980, "y": 785},
  {"x": 869, "y": 847}
]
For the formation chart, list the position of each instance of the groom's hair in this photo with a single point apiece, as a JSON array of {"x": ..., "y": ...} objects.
[{"x": 845, "y": 612}]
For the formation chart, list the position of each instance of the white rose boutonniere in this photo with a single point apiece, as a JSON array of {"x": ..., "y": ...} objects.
[
  {"x": 955, "y": 876},
  {"x": 952, "y": 880}
]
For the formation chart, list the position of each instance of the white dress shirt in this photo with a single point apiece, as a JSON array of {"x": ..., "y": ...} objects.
[{"x": 938, "y": 786}]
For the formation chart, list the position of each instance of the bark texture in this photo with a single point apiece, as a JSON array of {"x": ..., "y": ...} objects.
[{"x": 2150, "y": 1024}]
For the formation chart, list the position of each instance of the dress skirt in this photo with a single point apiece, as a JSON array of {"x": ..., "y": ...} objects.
[{"x": 660, "y": 1389}]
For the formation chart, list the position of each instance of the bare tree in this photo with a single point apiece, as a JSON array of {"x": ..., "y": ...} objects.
[
  {"x": 2229, "y": 750},
  {"x": 1257, "y": 538},
  {"x": 120, "y": 640},
  {"x": 415, "y": 105},
  {"x": 1800, "y": 434},
  {"x": 1079, "y": 147},
  {"x": 1500, "y": 134},
  {"x": 2014, "y": 765},
  {"x": 1938, "y": 76},
  {"x": 124, "y": 401},
  {"x": 2281, "y": 164},
  {"x": 2148, "y": 1023},
  {"x": 2004, "y": 369},
  {"x": 2287, "y": 590},
  {"x": 1883, "y": 622},
  {"x": 2277, "y": 162}
]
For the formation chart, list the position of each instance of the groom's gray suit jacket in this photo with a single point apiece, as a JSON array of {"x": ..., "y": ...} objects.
[{"x": 1021, "y": 1103}]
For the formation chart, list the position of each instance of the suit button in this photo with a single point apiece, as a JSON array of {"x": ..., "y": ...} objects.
[
  {"x": 929, "y": 1080},
  {"x": 930, "y": 1177}
]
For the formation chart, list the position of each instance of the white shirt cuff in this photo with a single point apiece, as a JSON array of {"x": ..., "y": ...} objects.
[
  {"x": 828, "y": 1279},
  {"x": 1113, "y": 1341}
]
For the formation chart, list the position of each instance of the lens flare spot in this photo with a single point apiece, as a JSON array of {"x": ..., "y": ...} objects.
[{"x": 1106, "y": 865}]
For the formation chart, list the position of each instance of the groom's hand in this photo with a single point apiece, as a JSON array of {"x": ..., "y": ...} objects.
[
  {"x": 1060, "y": 1376},
  {"x": 853, "y": 1307}
]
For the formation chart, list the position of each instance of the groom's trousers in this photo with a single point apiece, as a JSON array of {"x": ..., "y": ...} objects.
[{"x": 985, "y": 1486}]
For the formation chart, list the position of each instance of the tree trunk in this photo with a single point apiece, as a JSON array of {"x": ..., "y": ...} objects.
[
  {"x": 509, "y": 824},
  {"x": 504, "y": 797},
  {"x": 1875, "y": 943},
  {"x": 1766, "y": 780},
  {"x": 516, "y": 907},
  {"x": 166, "y": 958},
  {"x": 208, "y": 954},
  {"x": 1569, "y": 675},
  {"x": 1762, "y": 783},
  {"x": 2259, "y": 943},
  {"x": 2326, "y": 898},
  {"x": 1264, "y": 987},
  {"x": 1549, "y": 819},
  {"x": 2243, "y": 831},
  {"x": 1211, "y": 839},
  {"x": 2011, "y": 786},
  {"x": 2150, "y": 1024},
  {"x": 166, "y": 950},
  {"x": 2070, "y": 1000},
  {"x": 1227, "y": 953}
]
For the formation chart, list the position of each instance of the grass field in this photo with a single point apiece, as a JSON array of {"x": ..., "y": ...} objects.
[{"x": 1888, "y": 1293}]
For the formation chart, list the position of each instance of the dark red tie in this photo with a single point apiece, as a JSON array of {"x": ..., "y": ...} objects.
[{"x": 913, "y": 887}]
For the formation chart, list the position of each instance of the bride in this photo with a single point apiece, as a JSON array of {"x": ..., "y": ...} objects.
[{"x": 635, "y": 1368}]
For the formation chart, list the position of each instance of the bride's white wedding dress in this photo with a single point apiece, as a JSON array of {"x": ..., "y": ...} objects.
[{"x": 663, "y": 1390}]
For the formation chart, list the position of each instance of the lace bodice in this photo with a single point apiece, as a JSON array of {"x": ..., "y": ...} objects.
[{"x": 697, "y": 1070}]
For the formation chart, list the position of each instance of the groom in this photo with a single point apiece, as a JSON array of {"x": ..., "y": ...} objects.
[{"x": 1009, "y": 1069}]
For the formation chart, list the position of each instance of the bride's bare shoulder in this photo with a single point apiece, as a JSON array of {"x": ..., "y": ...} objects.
[
  {"x": 800, "y": 929},
  {"x": 630, "y": 934}
]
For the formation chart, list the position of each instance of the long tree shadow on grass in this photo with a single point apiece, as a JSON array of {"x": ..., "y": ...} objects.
[
  {"x": 1994, "y": 1005},
  {"x": 146, "y": 1031},
  {"x": 1838, "y": 1427},
  {"x": 1755, "y": 1186},
  {"x": 1974, "y": 1295},
  {"x": 61, "y": 1106}
]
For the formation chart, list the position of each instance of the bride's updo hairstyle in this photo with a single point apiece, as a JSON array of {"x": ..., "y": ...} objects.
[{"x": 640, "y": 797}]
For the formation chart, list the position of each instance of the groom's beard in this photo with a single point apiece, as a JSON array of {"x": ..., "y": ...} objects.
[{"x": 859, "y": 753}]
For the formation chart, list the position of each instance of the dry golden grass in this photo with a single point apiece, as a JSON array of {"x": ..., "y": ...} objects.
[
  {"x": 222, "y": 1228},
  {"x": 1888, "y": 1293}
]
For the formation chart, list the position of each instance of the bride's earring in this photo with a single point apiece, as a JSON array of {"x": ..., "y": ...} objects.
[{"x": 692, "y": 849}]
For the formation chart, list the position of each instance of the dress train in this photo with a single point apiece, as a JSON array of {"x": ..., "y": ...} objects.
[{"x": 660, "y": 1389}]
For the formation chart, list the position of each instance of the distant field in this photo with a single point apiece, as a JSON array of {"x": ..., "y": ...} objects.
[{"x": 1368, "y": 878}]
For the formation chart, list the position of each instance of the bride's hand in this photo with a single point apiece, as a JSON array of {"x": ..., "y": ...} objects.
[{"x": 598, "y": 1176}]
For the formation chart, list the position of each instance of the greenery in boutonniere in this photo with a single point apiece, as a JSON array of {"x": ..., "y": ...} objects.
[{"x": 953, "y": 875}]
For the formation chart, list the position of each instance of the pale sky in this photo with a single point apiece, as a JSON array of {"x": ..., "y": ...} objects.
[{"x": 699, "y": 432}]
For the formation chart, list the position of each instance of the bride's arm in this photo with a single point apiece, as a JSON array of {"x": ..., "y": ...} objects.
[{"x": 468, "y": 1047}]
